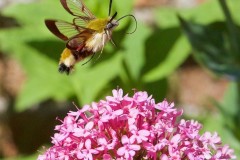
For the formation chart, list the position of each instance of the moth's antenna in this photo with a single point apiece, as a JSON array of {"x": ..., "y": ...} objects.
[
  {"x": 130, "y": 15},
  {"x": 110, "y": 8},
  {"x": 115, "y": 14}
]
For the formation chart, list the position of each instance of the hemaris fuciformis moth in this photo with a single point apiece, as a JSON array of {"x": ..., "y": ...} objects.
[{"x": 85, "y": 36}]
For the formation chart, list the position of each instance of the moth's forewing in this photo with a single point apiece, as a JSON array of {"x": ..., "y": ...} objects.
[
  {"x": 80, "y": 21},
  {"x": 73, "y": 34},
  {"x": 63, "y": 30},
  {"x": 51, "y": 25},
  {"x": 77, "y": 8}
]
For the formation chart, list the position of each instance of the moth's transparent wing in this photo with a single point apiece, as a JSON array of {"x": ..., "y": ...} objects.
[
  {"x": 80, "y": 21},
  {"x": 77, "y": 8},
  {"x": 63, "y": 30}
]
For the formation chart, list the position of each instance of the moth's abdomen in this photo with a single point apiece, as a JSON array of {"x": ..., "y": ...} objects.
[
  {"x": 70, "y": 57},
  {"x": 67, "y": 61},
  {"x": 67, "y": 57},
  {"x": 79, "y": 51}
]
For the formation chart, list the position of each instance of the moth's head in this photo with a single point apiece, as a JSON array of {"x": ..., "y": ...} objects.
[{"x": 112, "y": 23}]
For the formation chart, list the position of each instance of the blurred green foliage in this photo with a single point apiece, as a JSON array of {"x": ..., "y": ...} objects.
[
  {"x": 216, "y": 46},
  {"x": 213, "y": 47},
  {"x": 142, "y": 60}
]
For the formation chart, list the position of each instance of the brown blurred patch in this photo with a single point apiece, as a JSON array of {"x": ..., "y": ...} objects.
[
  {"x": 174, "y": 3},
  {"x": 150, "y": 3},
  {"x": 8, "y": 22},
  {"x": 12, "y": 76},
  {"x": 7, "y": 145},
  {"x": 193, "y": 88},
  {"x": 197, "y": 87},
  {"x": 11, "y": 80}
]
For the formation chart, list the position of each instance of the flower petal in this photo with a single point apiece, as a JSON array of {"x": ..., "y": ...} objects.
[
  {"x": 88, "y": 144},
  {"x": 125, "y": 139},
  {"x": 121, "y": 151}
]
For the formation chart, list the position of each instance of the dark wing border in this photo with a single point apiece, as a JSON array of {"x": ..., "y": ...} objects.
[{"x": 62, "y": 29}]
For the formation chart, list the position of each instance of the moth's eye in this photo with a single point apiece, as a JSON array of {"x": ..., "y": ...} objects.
[{"x": 109, "y": 26}]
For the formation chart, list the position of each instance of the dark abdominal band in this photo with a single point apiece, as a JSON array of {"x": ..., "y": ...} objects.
[{"x": 80, "y": 55}]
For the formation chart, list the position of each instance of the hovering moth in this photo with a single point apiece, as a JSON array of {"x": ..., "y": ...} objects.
[{"x": 85, "y": 35}]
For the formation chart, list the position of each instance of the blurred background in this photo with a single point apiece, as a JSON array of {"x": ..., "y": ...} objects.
[{"x": 187, "y": 51}]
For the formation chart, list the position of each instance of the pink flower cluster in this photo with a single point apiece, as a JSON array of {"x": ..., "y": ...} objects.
[{"x": 125, "y": 128}]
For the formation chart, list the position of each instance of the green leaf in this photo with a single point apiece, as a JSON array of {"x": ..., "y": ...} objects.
[
  {"x": 28, "y": 44},
  {"x": 212, "y": 47},
  {"x": 134, "y": 49},
  {"x": 230, "y": 101},
  {"x": 205, "y": 13},
  {"x": 43, "y": 80},
  {"x": 89, "y": 82},
  {"x": 173, "y": 54}
]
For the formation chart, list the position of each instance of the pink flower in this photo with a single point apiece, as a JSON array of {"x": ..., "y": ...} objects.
[
  {"x": 138, "y": 135},
  {"x": 210, "y": 139},
  {"x": 224, "y": 153},
  {"x": 124, "y": 128},
  {"x": 104, "y": 145},
  {"x": 128, "y": 149},
  {"x": 189, "y": 129},
  {"x": 88, "y": 152},
  {"x": 107, "y": 157}
]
